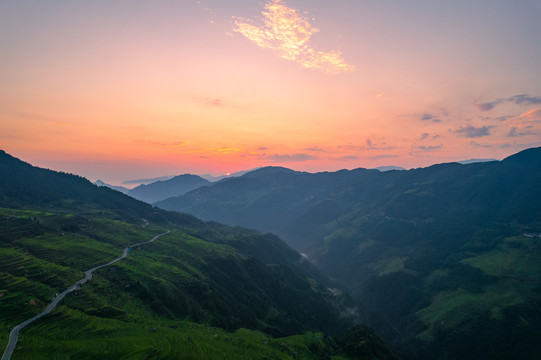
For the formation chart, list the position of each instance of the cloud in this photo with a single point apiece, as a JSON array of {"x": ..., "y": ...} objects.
[
  {"x": 430, "y": 117},
  {"x": 521, "y": 99},
  {"x": 515, "y": 132},
  {"x": 425, "y": 136},
  {"x": 288, "y": 33},
  {"x": 428, "y": 148},
  {"x": 476, "y": 144},
  {"x": 472, "y": 131},
  {"x": 262, "y": 148},
  {"x": 314, "y": 149},
  {"x": 525, "y": 99},
  {"x": 214, "y": 102},
  {"x": 524, "y": 123},
  {"x": 369, "y": 146},
  {"x": 378, "y": 157},
  {"x": 159, "y": 143},
  {"x": 281, "y": 158},
  {"x": 226, "y": 150},
  {"x": 487, "y": 106},
  {"x": 348, "y": 158}
]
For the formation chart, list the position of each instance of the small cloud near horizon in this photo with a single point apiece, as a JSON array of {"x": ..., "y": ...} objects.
[
  {"x": 427, "y": 148},
  {"x": 379, "y": 157},
  {"x": 314, "y": 149},
  {"x": 471, "y": 131},
  {"x": 281, "y": 158},
  {"x": 348, "y": 158},
  {"x": 160, "y": 143}
]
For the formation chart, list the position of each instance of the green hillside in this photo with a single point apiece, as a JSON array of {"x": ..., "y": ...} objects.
[
  {"x": 203, "y": 291},
  {"x": 446, "y": 259}
]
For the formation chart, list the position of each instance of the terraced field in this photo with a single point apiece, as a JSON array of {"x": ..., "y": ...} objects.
[
  {"x": 515, "y": 263},
  {"x": 142, "y": 307}
]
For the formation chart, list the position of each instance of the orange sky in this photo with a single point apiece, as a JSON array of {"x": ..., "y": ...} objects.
[{"x": 140, "y": 89}]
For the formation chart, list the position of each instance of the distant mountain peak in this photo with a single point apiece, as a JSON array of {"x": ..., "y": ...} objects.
[
  {"x": 389, "y": 168},
  {"x": 122, "y": 189},
  {"x": 267, "y": 170},
  {"x": 163, "y": 189},
  {"x": 473, "y": 161},
  {"x": 530, "y": 156}
]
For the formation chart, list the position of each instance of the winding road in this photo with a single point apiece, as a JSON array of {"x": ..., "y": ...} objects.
[{"x": 14, "y": 334}]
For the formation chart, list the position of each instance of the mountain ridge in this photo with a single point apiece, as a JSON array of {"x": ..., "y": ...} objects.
[
  {"x": 162, "y": 189},
  {"x": 55, "y": 226},
  {"x": 412, "y": 246}
]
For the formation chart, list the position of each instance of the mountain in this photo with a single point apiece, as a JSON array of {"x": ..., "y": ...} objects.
[
  {"x": 389, "y": 168},
  {"x": 472, "y": 161},
  {"x": 222, "y": 177},
  {"x": 164, "y": 189},
  {"x": 266, "y": 199},
  {"x": 147, "y": 181},
  {"x": 203, "y": 290},
  {"x": 444, "y": 258},
  {"x": 122, "y": 189}
]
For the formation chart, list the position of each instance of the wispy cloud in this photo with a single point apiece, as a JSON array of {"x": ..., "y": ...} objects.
[
  {"x": 476, "y": 144},
  {"x": 213, "y": 102},
  {"x": 227, "y": 150},
  {"x": 287, "y": 32},
  {"x": 515, "y": 132},
  {"x": 471, "y": 131},
  {"x": 524, "y": 123},
  {"x": 427, "y": 148},
  {"x": 348, "y": 158},
  {"x": 379, "y": 157},
  {"x": 282, "y": 158},
  {"x": 525, "y": 99},
  {"x": 369, "y": 145},
  {"x": 521, "y": 99},
  {"x": 487, "y": 106},
  {"x": 314, "y": 149},
  {"x": 160, "y": 143},
  {"x": 425, "y": 136},
  {"x": 430, "y": 117}
]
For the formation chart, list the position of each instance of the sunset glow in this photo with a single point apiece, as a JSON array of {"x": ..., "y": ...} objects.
[{"x": 143, "y": 89}]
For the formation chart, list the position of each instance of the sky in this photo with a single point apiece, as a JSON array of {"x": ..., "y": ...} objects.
[{"x": 117, "y": 90}]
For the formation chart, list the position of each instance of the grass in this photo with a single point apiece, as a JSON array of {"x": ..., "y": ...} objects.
[
  {"x": 516, "y": 266},
  {"x": 68, "y": 334},
  {"x": 109, "y": 318},
  {"x": 389, "y": 265}
]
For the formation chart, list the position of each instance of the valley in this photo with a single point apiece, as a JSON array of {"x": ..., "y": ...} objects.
[
  {"x": 433, "y": 254},
  {"x": 204, "y": 290}
]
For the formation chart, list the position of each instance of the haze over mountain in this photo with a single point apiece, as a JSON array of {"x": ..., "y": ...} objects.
[
  {"x": 160, "y": 190},
  {"x": 389, "y": 168},
  {"x": 172, "y": 298},
  {"x": 436, "y": 254},
  {"x": 122, "y": 189},
  {"x": 472, "y": 161},
  {"x": 222, "y": 177},
  {"x": 138, "y": 182}
]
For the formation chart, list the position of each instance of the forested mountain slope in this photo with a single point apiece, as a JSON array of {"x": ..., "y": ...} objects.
[
  {"x": 437, "y": 254},
  {"x": 204, "y": 290}
]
